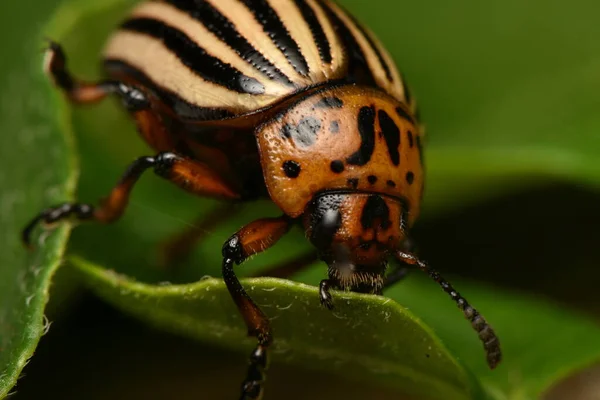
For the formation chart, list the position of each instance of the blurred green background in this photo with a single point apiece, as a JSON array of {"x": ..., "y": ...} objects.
[{"x": 509, "y": 95}]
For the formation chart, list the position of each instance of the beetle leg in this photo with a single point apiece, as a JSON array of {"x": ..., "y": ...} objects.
[
  {"x": 178, "y": 247},
  {"x": 86, "y": 92},
  {"x": 252, "y": 239},
  {"x": 486, "y": 334},
  {"x": 400, "y": 271},
  {"x": 325, "y": 295},
  {"x": 190, "y": 175}
]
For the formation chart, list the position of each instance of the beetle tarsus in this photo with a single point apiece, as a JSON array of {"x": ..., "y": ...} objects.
[
  {"x": 324, "y": 294},
  {"x": 55, "y": 214}
]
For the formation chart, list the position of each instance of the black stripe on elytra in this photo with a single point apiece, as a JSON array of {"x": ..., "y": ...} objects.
[
  {"x": 406, "y": 90},
  {"x": 391, "y": 134},
  {"x": 375, "y": 208},
  {"x": 276, "y": 30},
  {"x": 330, "y": 102},
  {"x": 358, "y": 68},
  {"x": 366, "y": 128},
  {"x": 212, "y": 19},
  {"x": 369, "y": 37},
  {"x": 184, "y": 109},
  {"x": 195, "y": 57},
  {"x": 404, "y": 115},
  {"x": 317, "y": 30}
]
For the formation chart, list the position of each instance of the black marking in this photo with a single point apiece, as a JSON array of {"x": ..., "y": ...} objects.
[
  {"x": 404, "y": 115},
  {"x": 305, "y": 133},
  {"x": 406, "y": 90},
  {"x": 358, "y": 68},
  {"x": 276, "y": 30},
  {"x": 353, "y": 182},
  {"x": 372, "y": 179},
  {"x": 337, "y": 166},
  {"x": 391, "y": 133},
  {"x": 292, "y": 169},
  {"x": 391, "y": 184},
  {"x": 375, "y": 208},
  {"x": 326, "y": 219},
  {"x": 317, "y": 31},
  {"x": 195, "y": 57},
  {"x": 330, "y": 102},
  {"x": 366, "y": 128},
  {"x": 334, "y": 127},
  {"x": 181, "y": 107},
  {"x": 224, "y": 29},
  {"x": 410, "y": 177},
  {"x": 420, "y": 147},
  {"x": 411, "y": 140},
  {"x": 371, "y": 41}
]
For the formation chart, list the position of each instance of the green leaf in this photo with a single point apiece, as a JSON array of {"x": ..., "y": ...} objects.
[
  {"x": 36, "y": 169},
  {"x": 373, "y": 337},
  {"x": 366, "y": 336},
  {"x": 542, "y": 342}
]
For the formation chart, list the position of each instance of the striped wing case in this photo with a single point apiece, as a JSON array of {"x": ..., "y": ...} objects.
[{"x": 210, "y": 59}]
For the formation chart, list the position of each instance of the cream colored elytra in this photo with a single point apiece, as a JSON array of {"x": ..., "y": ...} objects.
[{"x": 165, "y": 68}]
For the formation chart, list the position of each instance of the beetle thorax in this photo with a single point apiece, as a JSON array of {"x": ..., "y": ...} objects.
[{"x": 344, "y": 138}]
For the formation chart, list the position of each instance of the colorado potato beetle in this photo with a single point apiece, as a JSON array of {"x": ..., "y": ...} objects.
[{"x": 290, "y": 100}]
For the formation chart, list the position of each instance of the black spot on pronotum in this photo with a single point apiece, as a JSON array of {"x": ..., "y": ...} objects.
[
  {"x": 334, "y": 127},
  {"x": 291, "y": 169},
  {"x": 305, "y": 133},
  {"x": 372, "y": 179},
  {"x": 375, "y": 208},
  {"x": 391, "y": 133},
  {"x": 410, "y": 177},
  {"x": 404, "y": 115},
  {"x": 391, "y": 184},
  {"x": 353, "y": 182},
  {"x": 366, "y": 129},
  {"x": 337, "y": 166},
  {"x": 330, "y": 102}
]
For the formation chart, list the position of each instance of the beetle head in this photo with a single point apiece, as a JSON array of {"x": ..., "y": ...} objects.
[{"x": 355, "y": 233}]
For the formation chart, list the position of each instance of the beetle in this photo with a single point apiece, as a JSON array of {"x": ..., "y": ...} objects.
[{"x": 290, "y": 100}]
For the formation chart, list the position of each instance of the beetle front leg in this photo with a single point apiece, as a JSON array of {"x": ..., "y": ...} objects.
[
  {"x": 252, "y": 239},
  {"x": 187, "y": 174}
]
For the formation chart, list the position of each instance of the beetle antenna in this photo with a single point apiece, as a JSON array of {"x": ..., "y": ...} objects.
[{"x": 491, "y": 344}]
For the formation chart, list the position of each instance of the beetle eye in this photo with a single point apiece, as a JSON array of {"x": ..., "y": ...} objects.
[
  {"x": 325, "y": 227},
  {"x": 325, "y": 220}
]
